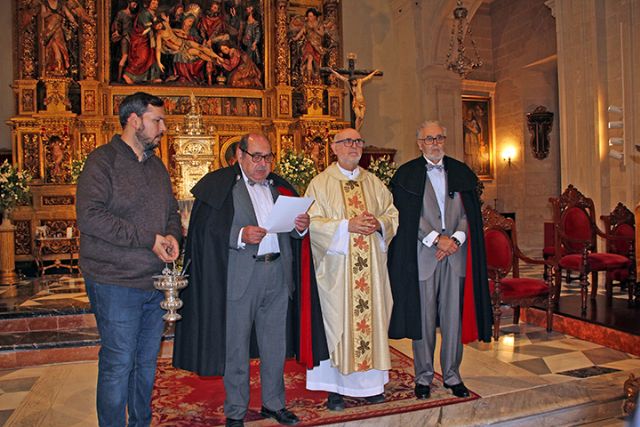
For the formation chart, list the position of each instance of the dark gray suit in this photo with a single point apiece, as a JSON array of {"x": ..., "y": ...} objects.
[
  {"x": 441, "y": 289},
  {"x": 256, "y": 292}
]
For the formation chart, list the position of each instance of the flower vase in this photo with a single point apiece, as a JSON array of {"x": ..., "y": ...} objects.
[{"x": 8, "y": 274}]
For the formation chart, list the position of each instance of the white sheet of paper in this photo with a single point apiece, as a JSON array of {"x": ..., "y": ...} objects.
[{"x": 284, "y": 213}]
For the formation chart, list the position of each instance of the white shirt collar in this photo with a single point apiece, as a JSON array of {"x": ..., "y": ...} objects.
[
  {"x": 244, "y": 176},
  {"x": 430, "y": 162},
  {"x": 349, "y": 174}
]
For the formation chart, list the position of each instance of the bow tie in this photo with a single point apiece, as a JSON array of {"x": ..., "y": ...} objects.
[
  {"x": 431, "y": 167},
  {"x": 252, "y": 182}
]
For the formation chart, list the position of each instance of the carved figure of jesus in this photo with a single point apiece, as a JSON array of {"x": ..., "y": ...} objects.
[{"x": 358, "y": 103}]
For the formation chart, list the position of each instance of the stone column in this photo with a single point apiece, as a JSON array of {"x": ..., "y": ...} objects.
[{"x": 580, "y": 29}]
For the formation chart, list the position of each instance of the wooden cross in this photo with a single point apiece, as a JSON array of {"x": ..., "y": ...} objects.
[{"x": 350, "y": 73}]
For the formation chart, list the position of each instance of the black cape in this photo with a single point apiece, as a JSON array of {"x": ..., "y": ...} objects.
[
  {"x": 200, "y": 335},
  {"x": 407, "y": 187}
]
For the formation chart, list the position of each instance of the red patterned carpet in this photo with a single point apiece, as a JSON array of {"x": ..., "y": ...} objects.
[{"x": 182, "y": 399}]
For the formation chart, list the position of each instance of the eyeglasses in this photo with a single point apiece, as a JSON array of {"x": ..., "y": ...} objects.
[
  {"x": 438, "y": 139},
  {"x": 257, "y": 157},
  {"x": 349, "y": 142}
]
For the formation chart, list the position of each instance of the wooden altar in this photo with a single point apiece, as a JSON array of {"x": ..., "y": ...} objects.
[{"x": 247, "y": 65}]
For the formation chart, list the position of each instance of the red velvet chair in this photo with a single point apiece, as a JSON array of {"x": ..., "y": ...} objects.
[
  {"x": 575, "y": 239},
  {"x": 503, "y": 257},
  {"x": 621, "y": 225}
]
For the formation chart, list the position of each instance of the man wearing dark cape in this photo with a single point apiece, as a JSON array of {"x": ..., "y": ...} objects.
[
  {"x": 406, "y": 261},
  {"x": 201, "y": 335}
]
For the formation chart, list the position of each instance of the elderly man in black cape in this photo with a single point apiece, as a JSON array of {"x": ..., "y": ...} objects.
[
  {"x": 437, "y": 261},
  {"x": 202, "y": 334}
]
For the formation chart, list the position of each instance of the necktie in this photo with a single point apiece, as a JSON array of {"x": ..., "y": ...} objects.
[{"x": 431, "y": 167}]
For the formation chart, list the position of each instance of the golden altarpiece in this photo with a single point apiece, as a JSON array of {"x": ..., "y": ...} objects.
[{"x": 223, "y": 68}]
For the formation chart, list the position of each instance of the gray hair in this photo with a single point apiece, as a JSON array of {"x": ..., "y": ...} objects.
[{"x": 430, "y": 123}]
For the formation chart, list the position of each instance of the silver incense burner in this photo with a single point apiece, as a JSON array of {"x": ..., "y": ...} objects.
[{"x": 170, "y": 282}]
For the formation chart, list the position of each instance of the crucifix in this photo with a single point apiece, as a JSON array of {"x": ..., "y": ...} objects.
[{"x": 354, "y": 84}]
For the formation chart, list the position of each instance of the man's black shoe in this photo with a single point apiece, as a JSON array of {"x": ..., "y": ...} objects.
[
  {"x": 458, "y": 390},
  {"x": 422, "y": 391},
  {"x": 283, "y": 416},
  {"x": 230, "y": 422},
  {"x": 378, "y": 398},
  {"x": 335, "y": 402}
]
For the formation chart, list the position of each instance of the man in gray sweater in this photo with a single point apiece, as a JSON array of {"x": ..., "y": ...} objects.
[{"x": 130, "y": 226}]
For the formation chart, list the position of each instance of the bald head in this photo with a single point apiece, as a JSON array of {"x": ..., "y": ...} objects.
[
  {"x": 347, "y": 146},
  {"x": 255, "y": 156}
]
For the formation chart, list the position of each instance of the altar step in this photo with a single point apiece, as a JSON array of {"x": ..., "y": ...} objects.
[
  {"x": 54, "y": 338},
  {"x": 593, "y": 401}
]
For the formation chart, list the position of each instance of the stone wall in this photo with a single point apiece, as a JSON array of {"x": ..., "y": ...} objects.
[{"x": 524, "y": 48}]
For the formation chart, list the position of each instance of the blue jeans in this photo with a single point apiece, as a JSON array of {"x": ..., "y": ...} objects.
[{"x": 130, "y": 324}]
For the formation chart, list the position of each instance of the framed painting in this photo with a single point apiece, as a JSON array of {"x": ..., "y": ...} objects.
[{"x": 477, "y": 130}]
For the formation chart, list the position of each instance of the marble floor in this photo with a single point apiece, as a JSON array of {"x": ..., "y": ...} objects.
[{"x": 527, "y": 361}]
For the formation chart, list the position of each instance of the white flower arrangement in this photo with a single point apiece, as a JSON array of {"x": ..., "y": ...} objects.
[
  {"x": 297, "y": 168},
  {"x": 14, "y": 187},
  {"x": 383, "y": 168}
]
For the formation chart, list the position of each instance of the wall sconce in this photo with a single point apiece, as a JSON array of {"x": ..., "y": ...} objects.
[{"x": 509, "y": 153}]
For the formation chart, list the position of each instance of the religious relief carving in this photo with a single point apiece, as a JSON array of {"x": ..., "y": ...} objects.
[
  {"x": 284, "y": 105},
  {"x": 540, "y": 122},
  {"x": 286, "y": 142},
  {"x": 31, "y": 154},
  {"x": 64, "y": 200},
  {"x": 58, "y": 159},
  {"x": 172, "y": 43},
  {"x": 58, "y": 227},
  {"x": 28, "y": 101},
  {"x": 310, "y": 37},
  {"x": 89, "y": 101},
  {"x": 57, "y": 99},
  {"x": 23, "y": 237},
  {"x": 313, "y": 100},
  {"x": 58, "y": 42},
  {"x": 209, "y": 105},
  {"x": 315, "y": 143}
]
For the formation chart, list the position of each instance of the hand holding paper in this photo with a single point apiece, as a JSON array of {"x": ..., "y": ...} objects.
[{"x": 283, "y": 216}]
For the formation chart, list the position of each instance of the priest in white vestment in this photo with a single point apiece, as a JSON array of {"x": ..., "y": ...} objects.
[{"x": 353, "y": 221}]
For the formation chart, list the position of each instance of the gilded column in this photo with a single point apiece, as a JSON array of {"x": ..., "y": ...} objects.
[
  {"x": 27, "y": 39},
  {"x": 88, "y": 42},
  {"x": 283, "y": 90},
  {"x": 333, "y": 50},
  {"x": 282, "y": 45}
]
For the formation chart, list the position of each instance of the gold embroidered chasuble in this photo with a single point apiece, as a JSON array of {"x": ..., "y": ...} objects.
[{"x": 354, "y": 289}]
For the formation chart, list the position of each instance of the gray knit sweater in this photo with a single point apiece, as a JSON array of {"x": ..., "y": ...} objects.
[{"x": 121, "y": 204}]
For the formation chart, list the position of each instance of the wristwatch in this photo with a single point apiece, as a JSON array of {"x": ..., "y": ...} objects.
[
  {"x": 456, "y": 241},
  {"x": 436, "y": 241}
]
